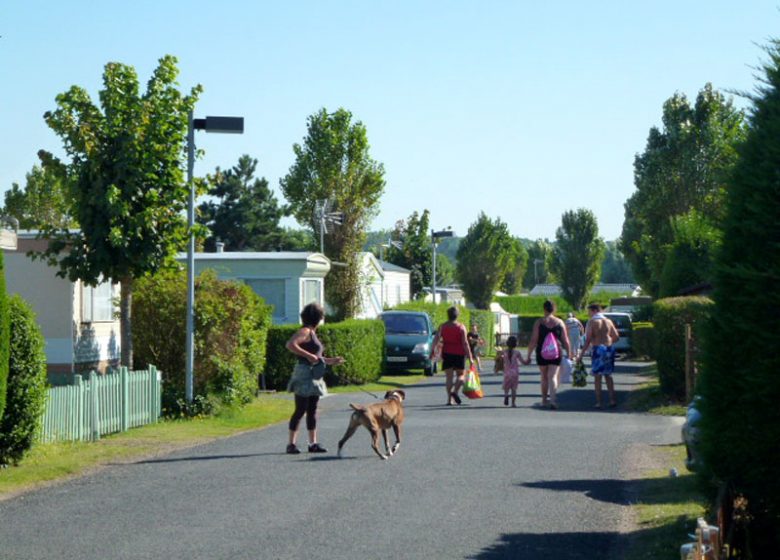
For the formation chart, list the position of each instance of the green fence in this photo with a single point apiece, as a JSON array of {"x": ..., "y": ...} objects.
[{"x": 101, "y": 404}]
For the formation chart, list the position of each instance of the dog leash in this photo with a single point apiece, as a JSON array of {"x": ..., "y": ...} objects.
[{"x": 346, "y": 382}]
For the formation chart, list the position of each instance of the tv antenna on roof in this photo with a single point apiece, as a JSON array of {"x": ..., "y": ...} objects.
[{"x": 326, "y": 218}]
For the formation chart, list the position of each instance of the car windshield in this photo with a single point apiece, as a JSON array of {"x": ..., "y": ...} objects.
[
  {"x": 621, "y": 321},
  {"x": 405, "y": 324}
]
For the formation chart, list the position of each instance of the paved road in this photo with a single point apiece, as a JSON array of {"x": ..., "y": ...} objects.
[{"x": 478, "y": 481}]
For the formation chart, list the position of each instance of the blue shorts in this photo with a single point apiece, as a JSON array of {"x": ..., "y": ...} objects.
[{"x": 603, "y": 360}]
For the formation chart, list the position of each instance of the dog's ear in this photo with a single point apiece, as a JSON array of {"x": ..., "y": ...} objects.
[
  {"x": 402, "y": 393},
  {"x": 388, "y": 395}
]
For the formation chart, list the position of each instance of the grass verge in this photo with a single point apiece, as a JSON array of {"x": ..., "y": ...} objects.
[
  {"x": 649, "y": 398},
  {"x": 667, "y": 508}
]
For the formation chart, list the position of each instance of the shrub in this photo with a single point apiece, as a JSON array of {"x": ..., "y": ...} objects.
[
  {"x": 643, "y": 340},
  {"x": 531, "y": 305},
  {"x": 231, "y": 323},
  {"x": 740, "y": 426},
  {"x": 436, "y": 311},
  {"x": 26, "y": 383},
  {"x": 4, "y": 336},
  {"x": 360, "y": 342},
  {"x": 486, "y": 323},
  {"x": 671, "y": 315}
]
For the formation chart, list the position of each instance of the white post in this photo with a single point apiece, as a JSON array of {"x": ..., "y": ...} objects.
[{"x": 190, "y": 336}]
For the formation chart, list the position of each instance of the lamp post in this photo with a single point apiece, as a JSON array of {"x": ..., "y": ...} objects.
[
  {"x": 224, "y": 125},
  {"x": 435, "y": 235}
]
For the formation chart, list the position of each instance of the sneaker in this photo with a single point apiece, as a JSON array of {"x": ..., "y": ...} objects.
[
  {"x": 456, "y": 398},
  {"x": 506, "y": 401},
  {"x": 292, "y": 449},
  {"x": 316, "y": 448}
]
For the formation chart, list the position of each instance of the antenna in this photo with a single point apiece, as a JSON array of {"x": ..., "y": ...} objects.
[{"x": 325, "y": 216}]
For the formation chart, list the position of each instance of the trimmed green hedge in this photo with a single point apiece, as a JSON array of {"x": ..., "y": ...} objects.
[
  {"x": 532, "y": 305},
  {"x": 643, "y": 340},
  {"x": 671, "y": 315},
  {"x": 26, "y": 383},
  {"x": 360, "y": 342},
  {"x": 4, "y": 336}
]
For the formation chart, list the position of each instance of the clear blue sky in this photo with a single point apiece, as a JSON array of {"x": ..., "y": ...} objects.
[{"x": 517, "y": 109}]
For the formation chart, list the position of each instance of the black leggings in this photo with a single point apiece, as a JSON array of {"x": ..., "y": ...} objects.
[{"x": 308, "y": 406}]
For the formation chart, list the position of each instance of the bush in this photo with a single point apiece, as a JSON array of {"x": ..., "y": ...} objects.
[
  {"x": 671, "y": 315},
  {"x": 26, "y": 383},
  {"x": 643, "y": 340},
  {"x": 436, "y": 311},
  {"x": 4, "y": 336},
  {"x": 231, "y": 324},
  {"x": 531, "y": 305},
  {"x": 360, "y": 342}
]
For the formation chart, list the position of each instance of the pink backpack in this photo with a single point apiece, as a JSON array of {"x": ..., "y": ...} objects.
[{"x": 550, "y": 348}]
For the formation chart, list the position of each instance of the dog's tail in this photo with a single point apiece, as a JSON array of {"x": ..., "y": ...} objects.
[{"x": 357, "y": 407}]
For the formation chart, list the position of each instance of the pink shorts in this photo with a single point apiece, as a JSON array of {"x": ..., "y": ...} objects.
[{"x": 510, "y": 381}]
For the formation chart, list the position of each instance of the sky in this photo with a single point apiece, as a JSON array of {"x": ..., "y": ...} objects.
[{"x": 521, "y": 110}]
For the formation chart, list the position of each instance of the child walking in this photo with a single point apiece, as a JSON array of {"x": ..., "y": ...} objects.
[{"x": 512, "y": 361}]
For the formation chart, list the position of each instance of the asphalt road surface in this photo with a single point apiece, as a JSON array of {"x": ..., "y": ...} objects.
[{"x": 474, "y": 481}]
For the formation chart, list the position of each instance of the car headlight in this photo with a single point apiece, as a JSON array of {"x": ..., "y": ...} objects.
[{"x": 421, "y": 348}]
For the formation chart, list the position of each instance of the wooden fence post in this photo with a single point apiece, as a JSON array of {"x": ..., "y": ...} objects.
[
  {"x": 125, "y": 398},
  {"x": 690, "y": 363},
  {"x": 81, "y": 412},
  {"x": 95, "y": 427}
]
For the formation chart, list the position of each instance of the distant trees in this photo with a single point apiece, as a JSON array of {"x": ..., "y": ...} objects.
[
  {"x": 43, "y": 202},
  {"x": 244, "y": 214},
  {"x": 412, "y": 249},
  {"x": 615, "y": 269},
  {"x": 684, "y": 167},
  {"x": 538, "y": 271},
  {"x": 513, "y": 279},
  {"x": 485, "y": 255},
  {"x": 126, "y": 163},
  {"x": 334, "y": 163},
  {"x": 577, "y": 255}
]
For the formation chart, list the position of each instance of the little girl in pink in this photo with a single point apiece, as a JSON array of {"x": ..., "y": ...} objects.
[{"x": 512, "y": 361}]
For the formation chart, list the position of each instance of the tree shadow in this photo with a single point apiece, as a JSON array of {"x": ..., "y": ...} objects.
[{"x": 662, "y": 490}]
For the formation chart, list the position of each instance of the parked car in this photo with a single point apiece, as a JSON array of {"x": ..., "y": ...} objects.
[
  {"x": 690, "y": 435},
  {"x": 408, "y": 339},
  {"x": 622, "y": 323}
]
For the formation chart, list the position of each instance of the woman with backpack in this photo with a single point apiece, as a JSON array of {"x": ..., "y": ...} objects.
[{"x": 547, "y": 338}]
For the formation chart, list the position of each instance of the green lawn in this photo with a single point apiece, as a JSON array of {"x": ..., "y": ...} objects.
[{"x": 667, "y": 508}]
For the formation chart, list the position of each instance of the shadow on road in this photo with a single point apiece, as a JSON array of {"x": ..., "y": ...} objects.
[
  {"x": 653, "y": 490},
  {"x": 546, "y": 546},
  {"x": 206, "y": 458}
]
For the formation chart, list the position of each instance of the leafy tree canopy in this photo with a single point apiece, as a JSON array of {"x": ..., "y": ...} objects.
[
  {"x": 577, "y": 255},
  {"x": 43, "y": 202},
  {"x": 538, "y": 271}
]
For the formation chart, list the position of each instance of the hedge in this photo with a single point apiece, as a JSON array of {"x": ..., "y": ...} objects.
[
  {"x": 4, "y": 336},
  {"x": 671, "y": 316},
  {"x": 231, "y": 323},
  {"x": 26, "y": 383},
  {"x": 360, "y": 342},
  {"x": 532, "y": 305},
  {"x": 643, "y": 340}
]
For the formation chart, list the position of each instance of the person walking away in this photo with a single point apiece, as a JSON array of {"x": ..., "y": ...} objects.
[
  {"x": 306, "y": 381},
  {"x": 547, "y": 338},
  {"x": 575, "y": 330},
  {"x": 455, "y": 349},
  {"x": 474, "y": 342},
  {"x": 512, "y": 360},
  {"x": 601, "y": 334}
]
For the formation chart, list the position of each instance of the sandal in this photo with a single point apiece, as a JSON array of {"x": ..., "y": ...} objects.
[{"x": 456, "y": 398}]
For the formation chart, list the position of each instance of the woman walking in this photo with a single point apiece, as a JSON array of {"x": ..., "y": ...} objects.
[
  {"x": 454, "y": 351},
  {"x": 306, "y": 381},
  {"x": 549, "y": 334}
]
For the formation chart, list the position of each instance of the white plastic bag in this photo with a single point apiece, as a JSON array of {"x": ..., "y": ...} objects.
[{"x": 566, "y": 368}]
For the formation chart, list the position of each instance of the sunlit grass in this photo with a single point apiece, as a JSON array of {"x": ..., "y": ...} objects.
[{"x": 649, "y": 398}]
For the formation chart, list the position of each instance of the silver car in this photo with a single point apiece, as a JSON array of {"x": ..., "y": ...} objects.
[
  {"x": 622, "y": 323},
  {"x": 690, "y": 435}
]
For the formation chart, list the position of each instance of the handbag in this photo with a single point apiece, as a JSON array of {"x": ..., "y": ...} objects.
[
  {"x": 579, "y": 377},
  {"x": 472, "y": 388},
  {"x": 318, "y": 369},
  {"x": 566, "y": 368}
]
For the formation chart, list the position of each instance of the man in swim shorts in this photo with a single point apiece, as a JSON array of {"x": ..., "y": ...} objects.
[{"x": 601, "y": 334}]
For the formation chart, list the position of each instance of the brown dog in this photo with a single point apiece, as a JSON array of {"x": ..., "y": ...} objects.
[{"x": 378, "y": 417}]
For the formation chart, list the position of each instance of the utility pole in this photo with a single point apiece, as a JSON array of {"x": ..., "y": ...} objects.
[{"x": 435, "y": 236}]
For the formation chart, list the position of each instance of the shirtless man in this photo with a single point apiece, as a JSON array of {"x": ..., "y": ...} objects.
[{"x": 601, "y": 334}]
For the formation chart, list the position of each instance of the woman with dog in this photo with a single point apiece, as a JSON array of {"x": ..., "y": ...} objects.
[
  {"x": 547, "y": 337},
  {"x": 307, "y": 379},
  {"x": 455, "y": 348}
]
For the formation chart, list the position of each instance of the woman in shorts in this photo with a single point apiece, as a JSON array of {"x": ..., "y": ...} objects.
[
  {"x": 455, "y": 349},
  {"x": 548, "y": 367}
]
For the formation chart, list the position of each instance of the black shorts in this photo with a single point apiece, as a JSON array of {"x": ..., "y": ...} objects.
[
  {"x": 542, "y": 362},
  {"x": 453, "y": 361}
]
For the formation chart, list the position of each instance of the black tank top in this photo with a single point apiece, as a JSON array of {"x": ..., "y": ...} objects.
[
  {"x": 312, "y": 345},
  {"x": 543, "y": 330}
]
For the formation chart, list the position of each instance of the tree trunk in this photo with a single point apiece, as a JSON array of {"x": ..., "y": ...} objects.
[{"x": 125, "y": 307}]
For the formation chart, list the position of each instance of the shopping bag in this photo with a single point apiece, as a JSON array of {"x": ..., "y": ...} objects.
[
  {"x": 566, "y": 367},
  {"x": 579, "y": 377},
  {"x": 472, "y": 388}
]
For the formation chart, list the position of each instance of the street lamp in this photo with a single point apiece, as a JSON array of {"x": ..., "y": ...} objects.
[
  {"x": 223, "y": 125},
  {"x": 435, "y": 235}
]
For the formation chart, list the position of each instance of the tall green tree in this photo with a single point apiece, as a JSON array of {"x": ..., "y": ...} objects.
[
  {"x": 43, "y": 202},
  {"x": 691, "y": 256},
  {"x": 125, "y": 159},
  {"x": 684, "y": 167},
  {"x": 513, "y": 280},
  {"x": 740, "y": 426},
  {"x": 615, "y": 268},
  {"x": 334, "y": 163},
  {"x": 485, "y": 255},
  {"x": 412, "y": 249},
  {"x": 538, "y": 271},
  {"x": 245, "y": 214},
  {"x": 577, "y": 255}
]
